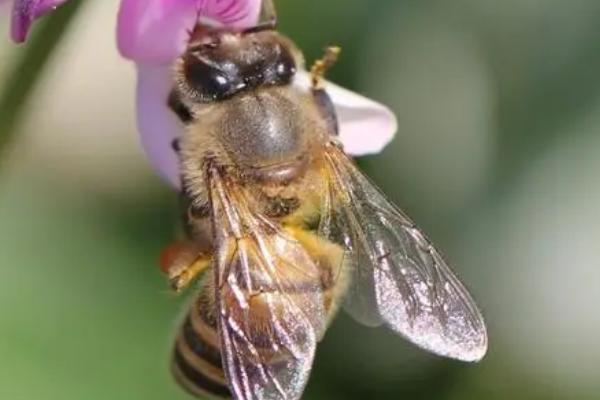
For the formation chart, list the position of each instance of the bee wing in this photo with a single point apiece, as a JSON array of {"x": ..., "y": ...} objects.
[
  {"x": 398, "y": 277},
  {"x": 269, "y": 301}
]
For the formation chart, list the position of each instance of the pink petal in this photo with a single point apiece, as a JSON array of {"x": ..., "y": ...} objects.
[
  {"x": 365, "y": 126},
  {"x": 158, "y": 126},
  {"x": 156, "y": 31},
  {"x": 239, "y": 14},
  {"x": 25, "y": 12}
]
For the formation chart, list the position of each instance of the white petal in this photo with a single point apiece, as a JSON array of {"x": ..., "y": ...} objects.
[
  {"x": 158, "y": 126},
  {"x": 366, "y": 126}
]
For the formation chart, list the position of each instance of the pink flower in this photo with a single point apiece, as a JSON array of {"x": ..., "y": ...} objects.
[
  {"x": 25, "y": 12},
  {"x": 153, "y": 33}
]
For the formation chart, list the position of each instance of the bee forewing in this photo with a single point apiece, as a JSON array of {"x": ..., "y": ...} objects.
[
  {"x": 435, "y": 313},
  {"x": 399, "y": 278},
  {"x": 269, "y": 301}
]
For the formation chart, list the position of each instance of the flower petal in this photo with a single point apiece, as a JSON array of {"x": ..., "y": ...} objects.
[
  {"x": 158, "y": 126},
  {"x": 365, "y": 126},
  {"x": 25, "y": 12},
  {"x": 156, "y": 31},
  {"x": 232, "y": 13}
]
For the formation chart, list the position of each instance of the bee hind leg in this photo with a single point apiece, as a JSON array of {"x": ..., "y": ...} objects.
[{"x": 183, "y": 262}]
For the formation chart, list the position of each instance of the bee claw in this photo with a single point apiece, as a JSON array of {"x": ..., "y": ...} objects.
[
  {"x": 180, "y": 282},
  {"x": 176, "y": 285},
  {"x": 182, "y": 279}
]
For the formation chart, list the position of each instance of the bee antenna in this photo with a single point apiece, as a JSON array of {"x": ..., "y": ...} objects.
[{"x": 266, "y": 26}]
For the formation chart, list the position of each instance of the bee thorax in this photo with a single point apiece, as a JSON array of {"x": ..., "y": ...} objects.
[{"x": 264, "y": 132}]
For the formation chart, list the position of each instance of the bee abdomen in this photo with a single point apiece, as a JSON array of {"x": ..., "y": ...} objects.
[{"x": 196, "y": 363}]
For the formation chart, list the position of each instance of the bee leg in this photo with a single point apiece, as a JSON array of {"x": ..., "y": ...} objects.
[
  {"x": 327, "y": 110},
  {"x": 183, "y": 278},
  {"x": 268, "y": 18},
  {"x": 322, "y": 99},
  {"x": 320, "y": 66},
  {"x": 183, "y": 262},
  {"x": 176, "y": 146},
  {"x": 178, "y": 107}
]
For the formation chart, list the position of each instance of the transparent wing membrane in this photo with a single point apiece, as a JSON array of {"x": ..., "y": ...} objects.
[
  {"x": 398, "y": 277},
  {"x": 269, "y": 300}
]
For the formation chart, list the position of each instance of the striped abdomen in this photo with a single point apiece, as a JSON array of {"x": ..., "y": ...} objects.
[{"x": 196, "y": 362}]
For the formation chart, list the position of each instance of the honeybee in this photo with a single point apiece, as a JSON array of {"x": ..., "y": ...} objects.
[{"x": 282, "y": 228}]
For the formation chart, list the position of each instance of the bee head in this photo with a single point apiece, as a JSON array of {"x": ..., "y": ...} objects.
[{"x": 219, "y": 64}]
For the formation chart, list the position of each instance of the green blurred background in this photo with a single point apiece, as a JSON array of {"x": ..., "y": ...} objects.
[{"x": 497, "y": 158}]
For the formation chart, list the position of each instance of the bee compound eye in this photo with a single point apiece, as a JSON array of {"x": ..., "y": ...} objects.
[
  {"x": 208, "y": 82},
  {"x": 285, "y": 67}
]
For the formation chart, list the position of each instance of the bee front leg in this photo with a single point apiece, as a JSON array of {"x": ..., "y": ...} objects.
[
  {"x": 327, "y": 110},
  {"x": 181, "y": 110},
  {"x": 183, "y": 262},
  {"x": 320, "y": 95},
  {"x": 268, "y": 18}
]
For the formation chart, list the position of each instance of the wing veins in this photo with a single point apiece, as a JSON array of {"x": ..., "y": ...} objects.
[
  {"x": 269, "y": 358},
  {"x": 416, "y": 293}
]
